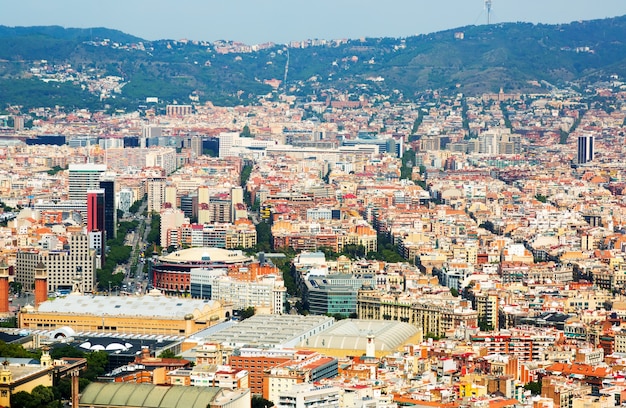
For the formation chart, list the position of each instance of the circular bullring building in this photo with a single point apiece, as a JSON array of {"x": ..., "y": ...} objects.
[{"x": 171, "y": 273}]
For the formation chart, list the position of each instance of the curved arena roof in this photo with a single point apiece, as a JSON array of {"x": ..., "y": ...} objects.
[
  {"x": 351, "y": 334},
  {"x": 204, "y": 254},
  {"x": 147, "y": 395}
]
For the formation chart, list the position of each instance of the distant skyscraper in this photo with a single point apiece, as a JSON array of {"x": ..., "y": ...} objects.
[
  {"x": 125, "y": 199},
  {"x": 150, "y": 135},
  {"x": 83, "y": 177},
  {"x": 156, "y": 193},
  {"x": 170, "y": 195},
  {"x": 110, "y": 212},
  {"x": 196, "y": 145},
  {"x": 236, "y": 197},
  {"x": 585, "y": 149}
]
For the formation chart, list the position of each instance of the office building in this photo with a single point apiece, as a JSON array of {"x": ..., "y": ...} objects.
[
  {"x": 96, "y": 222},
  {"x": 150, "y": 135},
  {"x": 236, "y": 201},
  {"x": 163, "y": 157},
  {"x": 95, "y": 210},
  {"x": 156, "y": 193},
  {"x": 68, "y": 269},
  {"x": 125, "y": 199},
  {"x": 83, "y": 177},
  {"x": 171, "y": 221},
  {"x": 189, "y": 205},
  {"x": 585, "y": 149},
  {"x": 110, "y": 210}
]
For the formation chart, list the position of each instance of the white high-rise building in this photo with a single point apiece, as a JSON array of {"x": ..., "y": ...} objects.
[
  {"x": 125, "y": 199},
  {"x": 83, "y": 177},
  {"x": 163, "y": 157},
  {"x": 236, "y": 198},
  {"x": 171, "y": 221},
  {"x": 155, "y": 187},
  {"x": 228, "y": 140}
]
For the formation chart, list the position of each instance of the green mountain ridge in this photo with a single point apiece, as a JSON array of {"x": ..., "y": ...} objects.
[{"x": 471, "y": 59}]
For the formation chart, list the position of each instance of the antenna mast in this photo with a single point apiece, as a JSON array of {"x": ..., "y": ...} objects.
[{"x": 488, "y": 7}]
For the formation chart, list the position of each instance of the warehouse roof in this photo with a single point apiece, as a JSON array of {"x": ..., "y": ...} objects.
[
  {"x": 351, "y": 334},
  {"x": 271, "y": 330},
  {"x": 152, "y": 305},
  {"x": 147, "y": 395}
]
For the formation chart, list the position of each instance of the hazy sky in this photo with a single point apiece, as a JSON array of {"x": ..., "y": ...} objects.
[{"x": 258, "y": 21}]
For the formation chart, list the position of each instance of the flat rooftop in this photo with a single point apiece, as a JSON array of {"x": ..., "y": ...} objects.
[{"x": 270, "y": 330}]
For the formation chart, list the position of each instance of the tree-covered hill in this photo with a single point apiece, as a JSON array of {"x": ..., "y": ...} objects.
[{"x": 472, "y": 59}]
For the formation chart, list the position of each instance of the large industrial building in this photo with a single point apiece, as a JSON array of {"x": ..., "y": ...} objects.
[
  {"x": 271, "y": 331},
  {"x": 152, "y": 314},
  {"x": 356, "y": 337},
  {"x": 148, "y": 395},
  {"x": 83, "y": 177}
]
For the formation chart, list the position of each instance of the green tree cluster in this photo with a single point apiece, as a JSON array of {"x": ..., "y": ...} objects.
[
  {"x": 534, "y": 387},
  {"x": 246, "y": 132},
  {"x": 168, "y": 354},
  {"x": 17, "y": 351},
  {"x": 408, "y": 161},
  {"x": 97, "y": 362},
  {"x": 39, "y": 397},
  {"x": 135, "y": 206},
  {"x": 263, "y": 237},
  {"x": 247, "y": 313},
  {"x": 288, "y": 271},
  {"x": 260, "y": 402},
  {"x": 54, "y": 170}
]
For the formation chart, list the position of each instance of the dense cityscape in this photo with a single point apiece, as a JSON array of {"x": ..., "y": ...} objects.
[{"x": 348, "y": 249}]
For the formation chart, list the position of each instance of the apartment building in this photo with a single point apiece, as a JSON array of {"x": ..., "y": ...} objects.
[{"x": 74, "y": 266}]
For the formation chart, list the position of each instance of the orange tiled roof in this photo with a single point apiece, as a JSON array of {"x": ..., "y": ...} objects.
[{"x": 580, "y": 369}]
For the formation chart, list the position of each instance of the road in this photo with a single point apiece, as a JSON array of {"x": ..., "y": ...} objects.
[{"x": 135, "y": 280}]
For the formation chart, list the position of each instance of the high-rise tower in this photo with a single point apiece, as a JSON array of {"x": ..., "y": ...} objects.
[
  {"x": 83, "y": 177},
  {"x": 110, "y": 212},
  {"x": 4, "y": 288},
  {"x": 96, "y": 210},
  {"x": 585, "y": 149}
]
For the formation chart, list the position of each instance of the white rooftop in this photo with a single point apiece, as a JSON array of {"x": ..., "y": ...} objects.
[{"x": 151, "y": 305}]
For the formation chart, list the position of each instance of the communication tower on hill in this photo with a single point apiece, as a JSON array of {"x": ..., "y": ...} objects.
[{"x": 488, "y": 7}]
